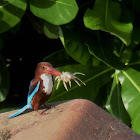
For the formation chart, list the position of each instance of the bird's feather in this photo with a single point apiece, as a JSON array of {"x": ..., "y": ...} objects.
[
  {"x": 19, "y": 112},
  {"x": 32, "y": 90}
]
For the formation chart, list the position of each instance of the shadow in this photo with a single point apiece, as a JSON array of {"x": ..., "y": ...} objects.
[
  {"x": 12, "y": 9},
  {"x": 42, "y": 3},
  {"x": 53, "y": 105},
  {"x": 4, "y": 26},
  {"x": 49, "y": 106}
]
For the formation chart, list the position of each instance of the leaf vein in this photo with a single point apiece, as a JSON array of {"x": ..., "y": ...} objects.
[
  {"x": 59, "y": 2},
  {"x": 130, "y": 79}
]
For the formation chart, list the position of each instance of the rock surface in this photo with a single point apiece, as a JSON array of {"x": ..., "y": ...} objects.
[{"x": 77, "y": 119}]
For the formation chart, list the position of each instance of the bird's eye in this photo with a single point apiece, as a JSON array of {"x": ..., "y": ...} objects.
[{"x": 43, "y": 67}]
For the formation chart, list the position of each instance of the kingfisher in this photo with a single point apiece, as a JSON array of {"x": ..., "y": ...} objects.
[{"x": 40, "y": 88}]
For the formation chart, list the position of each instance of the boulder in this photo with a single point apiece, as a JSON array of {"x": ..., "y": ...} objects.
[{"x": 77, "y": 119}]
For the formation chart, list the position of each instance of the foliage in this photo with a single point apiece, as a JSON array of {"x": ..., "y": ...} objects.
[{"x": 100, "y": 38}]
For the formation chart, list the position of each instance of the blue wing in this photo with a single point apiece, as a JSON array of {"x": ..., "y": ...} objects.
[{"x": 32, "y": 90}]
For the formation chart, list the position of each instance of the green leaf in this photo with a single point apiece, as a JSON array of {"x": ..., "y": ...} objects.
[
  {"x": 103, "y": 51},
  {"x": 105, "y": 16},
  {"x": 114, "y": 103},
  {"x": 57, "y": 12},
  {"x": 59, "y": 58},
  {"x": 75, "y": 43},
  {"x": 95, "y": 77},
  {"x": 4, "y": 80},
  {"x": 130, "y": 82},
  {"x": 11, "y": 12},
  {"x": 51, "y": 31},
  {"x": 136, "y": 120}
]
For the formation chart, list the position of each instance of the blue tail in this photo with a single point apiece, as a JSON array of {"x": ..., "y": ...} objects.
[{"x": 19, "y": 112}]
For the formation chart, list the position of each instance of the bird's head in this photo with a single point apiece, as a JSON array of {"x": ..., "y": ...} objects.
[{"x": 46, "y": 68}]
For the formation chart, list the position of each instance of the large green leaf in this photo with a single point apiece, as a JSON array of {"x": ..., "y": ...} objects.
[
  {"x": 105, "y": 16},
  {"x": 130, "y": 82},
  {"x": 75, "y": 43},
  {"x": 95, "y": 77},
  {"x": 114, "y": 103},
  {"x": 84, "y": 49},
  {"x": 11, "y": 12},
  {"x": 54, "y": 11},
  {"x": 4, "y": 80},
  {"x": 103, "y": 51}
]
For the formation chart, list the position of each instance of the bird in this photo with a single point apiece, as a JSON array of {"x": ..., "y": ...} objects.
[{"x": 40, "y": 88}]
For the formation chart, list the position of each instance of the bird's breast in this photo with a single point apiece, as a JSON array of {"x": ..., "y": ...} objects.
[{"x": 47, "y": 83}]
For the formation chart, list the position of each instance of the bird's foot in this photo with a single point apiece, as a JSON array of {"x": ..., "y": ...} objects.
[{"x": 40, "y": 114}]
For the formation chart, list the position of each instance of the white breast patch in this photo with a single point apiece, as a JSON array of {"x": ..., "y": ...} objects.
[{"x": 47, "y": 83}]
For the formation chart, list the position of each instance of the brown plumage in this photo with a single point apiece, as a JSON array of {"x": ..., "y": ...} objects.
[{"x": 43, "y": 74}]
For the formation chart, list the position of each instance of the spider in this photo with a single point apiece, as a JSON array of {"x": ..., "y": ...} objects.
[{"x": 67, "y": 77}]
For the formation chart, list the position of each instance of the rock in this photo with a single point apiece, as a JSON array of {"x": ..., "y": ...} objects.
[{"x": 77, "y": 119}]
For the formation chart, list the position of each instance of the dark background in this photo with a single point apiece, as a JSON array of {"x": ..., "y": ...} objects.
[{"x": 24, "y": 47}]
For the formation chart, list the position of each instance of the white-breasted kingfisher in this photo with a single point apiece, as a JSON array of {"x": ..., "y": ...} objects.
[{"x": 40, "y": 88}]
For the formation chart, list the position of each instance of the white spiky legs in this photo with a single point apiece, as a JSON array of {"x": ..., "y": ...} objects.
[{"x": 67, "y": 77}]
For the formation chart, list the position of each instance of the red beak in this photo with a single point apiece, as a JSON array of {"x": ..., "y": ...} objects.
[{"x": 53, "y": 71}]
